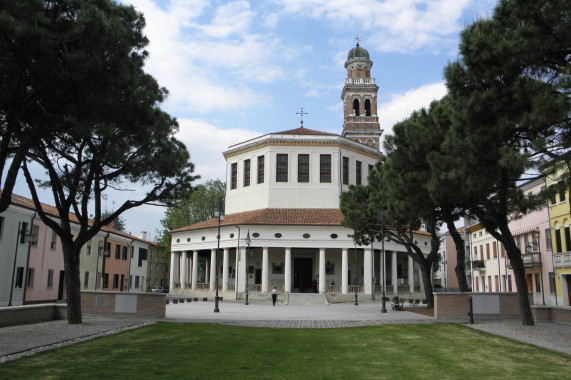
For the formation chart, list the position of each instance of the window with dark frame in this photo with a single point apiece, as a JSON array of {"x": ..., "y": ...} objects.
[
  {"x": 23, "y": 230},
  {"x": 53, "y": 242},
  {"x": 281, "y": 168},
  {"x": 558, "y": 247},
  {"x": 50, "y": 283},
  {"x": 260, "y": 169},
  {"x": 548, "y": 238},
  {"x": 562, "y": 196},
  {"x": 115, "y": 281},
  {"x": 358, "y": 165},
  {"x": 551, "y": 282},
  {"x": 303, "y": 168},
  {"x": 234, "y": 180},
  {"x": 30, "y": 278},
  {"x": 35, "y": 234},
  {"x": 86, "y": 280},
  {"x": 105, "y": 278},
  {"x": 125, "y": 253},
  {"x": 19, "y": 277},
  {"x": 567, "y": 239},
  {"x": 247, "y": 172},
  {"x": 345, "y": 170},
  {"x": 325, "y": 168}
]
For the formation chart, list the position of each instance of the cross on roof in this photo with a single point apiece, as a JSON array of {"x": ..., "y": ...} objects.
[
  {"x": 301, "y": 114},
  {"x": 358, "y": 39}
]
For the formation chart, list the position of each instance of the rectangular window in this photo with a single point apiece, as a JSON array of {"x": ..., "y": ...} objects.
[
  {"x": 115, "y": 281},
  {"x": 548, "y": 238},
  {"x": 35, "y": 234},
  {"x": 136, "y": 281},
  {"x": 504, "y": 281},
  {"x": 495, "y": 250},
  {"x": 497, "y": 283},
  {"x": 562, "y": 196},
  {"x": 247, "y": 172},
  {"x": 509, "y": 282},
  {"x": 537, "y": 283},
  {"x": 1, "y": 227},
  {"x": 130, "y": 282},
  {"x": 358, "y": 166},
  {"x": 19, "y": 277},
  {"x": 325, "y": 168},
  {"x": 281, "y": 168},
  {"x": 567, "y": 239},
  {"x": 260, "y": 169},
  {"x": 303, "y": 168},
  {"x": 502, "y": 249},
  {"x": 526, "y": 243},
  {"x": 86, "y": 280},
  {"x": 558, "y": 247},
  {"x": 53, "y": 241},
  {"x": 477, "y": 281},
  {"x": 475, "y": 253},
  {"x": 234, "y": 176},
  {"x": 117, "y": 252},
  {"x": 23, "y": 230},
  {"x": 551, "y": 282},
  {"x": 482, "y": 252},
  {"x": 345, "y": 170},
  {"x": 88, "y": 247},
  {"x": 489, "y": 283},
  {"x": 108, "y": 250},
  {"x": 30, "y": 279},
  {"x": 488, "y": 251},
  {"x": 105, "y": 280},
  {"x": 142, "y": 256},
  {"x": 125, "y": 253}
]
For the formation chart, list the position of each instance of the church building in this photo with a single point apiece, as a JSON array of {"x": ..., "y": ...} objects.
[{"x": 282, "y": 226}]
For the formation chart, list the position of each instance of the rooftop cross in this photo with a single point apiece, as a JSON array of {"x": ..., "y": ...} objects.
[
  {"x": 358, "y": 39},
  {"x": 301, "y": 114}
]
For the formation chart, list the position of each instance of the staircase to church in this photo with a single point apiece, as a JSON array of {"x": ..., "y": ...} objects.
[{"x": 305, "y": 299}]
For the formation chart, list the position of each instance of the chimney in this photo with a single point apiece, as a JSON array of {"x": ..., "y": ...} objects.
[{"x": 143, "y": 235}]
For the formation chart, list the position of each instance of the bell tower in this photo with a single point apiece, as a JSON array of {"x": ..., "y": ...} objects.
[{"x": 359, "y": 95}]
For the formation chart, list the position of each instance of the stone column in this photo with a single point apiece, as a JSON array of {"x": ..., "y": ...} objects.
[
  {"x": 344, "y": 271},
  {"x": 194, "y": 269},
  {"x": 225, "y": 270},
  {"x": 183, "y": 267},
  {"x": 242, "y": 271},
  {"x": 172, "y": 274},
  {"x": 287, "y": 272},
  {"x": 213, "y": 269},
  {"x": 265, "y": 274},
  {"x": 367, "y": 271},
  {"x": 321, "y": 270},
  {"x": 189, "y": 270},
  {"x": 410, "y": 274},
  {"x": 394, "y": 272}
]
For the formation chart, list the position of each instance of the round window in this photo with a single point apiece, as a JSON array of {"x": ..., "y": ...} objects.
[
  {"x": 333, "y": 236},
  {"x": 178, "y": 240},
  {"x": 306, "y": 236},
  {"x": 255, "y": 234},
  {"x": 278, "y": 235}
]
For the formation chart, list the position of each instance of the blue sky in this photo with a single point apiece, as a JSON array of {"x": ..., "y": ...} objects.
[{"x": 239, "y": 69}]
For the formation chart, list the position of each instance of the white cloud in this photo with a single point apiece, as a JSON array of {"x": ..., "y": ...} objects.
[
  {"x": 231, "y": 18},
  {"x": 401, "y": 105},
  {"x": 206, "y": 143}
]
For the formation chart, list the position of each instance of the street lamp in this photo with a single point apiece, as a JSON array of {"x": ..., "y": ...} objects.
[
  {"x": 355, "y": 277},
  {"x": 220, "y": 215},
  {"x": 381, "y": 215},
  {"x": 248, "y": 242}
]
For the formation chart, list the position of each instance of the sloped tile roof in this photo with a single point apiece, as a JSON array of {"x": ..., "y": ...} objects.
[{"x": 303, "y": 131}]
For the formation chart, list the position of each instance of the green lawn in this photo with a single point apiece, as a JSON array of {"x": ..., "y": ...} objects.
[{"x": 210, "y": 351}]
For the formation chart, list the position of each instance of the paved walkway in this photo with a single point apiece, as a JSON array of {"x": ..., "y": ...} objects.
[{"x": 18, "y": 341}]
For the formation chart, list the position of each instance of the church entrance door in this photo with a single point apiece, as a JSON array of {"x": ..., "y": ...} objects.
[{"x": 302, "y": 274}]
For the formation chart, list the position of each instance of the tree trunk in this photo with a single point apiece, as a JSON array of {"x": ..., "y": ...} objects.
[
  {"x": 425, "y": 270},
  {"x": 514, "y": 254},
  {"x": 460, "y": 269},
  {"x": 72, "y": 284}
]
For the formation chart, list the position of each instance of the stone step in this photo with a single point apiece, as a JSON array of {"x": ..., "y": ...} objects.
[{"x": 305, "y": 299}]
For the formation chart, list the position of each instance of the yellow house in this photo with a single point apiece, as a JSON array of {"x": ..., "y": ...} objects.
[{"x": 560, "y": 223}]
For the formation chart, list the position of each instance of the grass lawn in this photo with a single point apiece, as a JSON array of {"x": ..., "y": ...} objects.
[{"x": 210, "y": 351}]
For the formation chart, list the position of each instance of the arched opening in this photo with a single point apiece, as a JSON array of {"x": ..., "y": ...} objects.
[
  {"x": 367, "y": 107},
  {"x": 355, "y": 107}
]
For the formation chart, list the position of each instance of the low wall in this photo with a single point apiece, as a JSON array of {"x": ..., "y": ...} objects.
[
  {"x": 138, "y": 304},
  {"x": 552, "y": 313},
  {"x": 26, "y": 314},
  {"x": 485, "y": 305}
]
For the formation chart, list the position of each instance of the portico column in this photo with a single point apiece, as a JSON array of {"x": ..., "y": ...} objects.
[
  {"x": 212, "y": 269},
  {"x": 410, "y": 274},
  {"x": 242, "y": 271},
  {"x": 194, "y": 269},
  {"x": 189, "y": 269},
  {"x": 321, "y": 270},
  {"x": 287, "y": 281},
  {"x": 367, "y": 271},
  {"x": 265, "y": 270},
  {"x": 225, "y": 270},
  {"x": 344, "y": 270},
  {"x": 173, "y": 263},
  {"x": 394, "y": 272},
  {"x": 183, "y": 270}
]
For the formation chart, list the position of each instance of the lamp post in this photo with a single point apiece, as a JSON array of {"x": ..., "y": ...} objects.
[
  {"x": 218, "y": 213},
  {"x": 381, "y": 216},
  {"x": 355, "y": 277},
  {"x": 248, "y": 242}
]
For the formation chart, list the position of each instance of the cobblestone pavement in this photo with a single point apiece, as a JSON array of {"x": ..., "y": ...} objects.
[{"x": 18, "y": 341}]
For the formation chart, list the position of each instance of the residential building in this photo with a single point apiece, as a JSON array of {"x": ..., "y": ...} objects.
[{"x": 489, "y": 262}]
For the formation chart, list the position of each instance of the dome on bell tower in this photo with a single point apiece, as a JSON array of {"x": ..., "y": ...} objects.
[{"x": 358, "y": 52}]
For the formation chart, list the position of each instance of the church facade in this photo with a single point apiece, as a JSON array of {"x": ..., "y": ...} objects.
[{"x": 282, "y": 226}]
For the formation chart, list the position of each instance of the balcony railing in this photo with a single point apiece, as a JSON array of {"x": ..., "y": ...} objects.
[
  {"x": 360, "y": 81},
  {"x": 561, "y": 260},
  {"x": 353, "y": 287},
  {"x": 530, "y": 260},
  {"x": 361, "y": 119},
  {"x": 479, "y": 265}
]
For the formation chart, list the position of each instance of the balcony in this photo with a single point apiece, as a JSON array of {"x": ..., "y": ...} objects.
[
  {"x": 479, "y": 265},
  {"x": 361, "y": 119},
  {"x": 562, "y": 260},
  {"x": 360, "y": 81},
  {"x": 530, "y": 260}
]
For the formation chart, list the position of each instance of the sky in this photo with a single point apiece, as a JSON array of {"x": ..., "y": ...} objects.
[{"x": 240, "y": 69}]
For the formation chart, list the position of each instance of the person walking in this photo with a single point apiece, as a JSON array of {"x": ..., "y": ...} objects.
[{"x": 274, "y": 296}]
